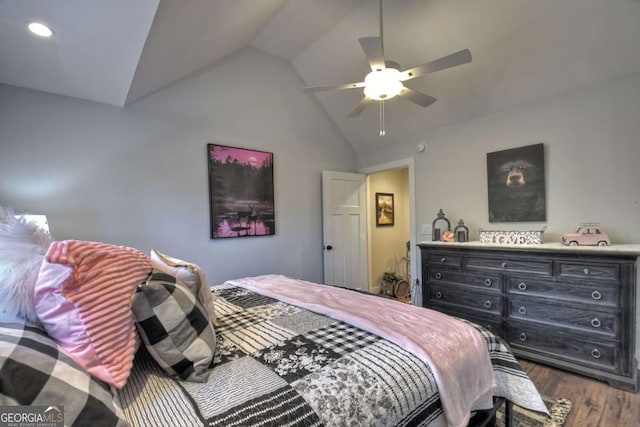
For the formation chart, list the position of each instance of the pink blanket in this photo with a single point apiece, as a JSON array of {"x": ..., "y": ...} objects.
[{"x": 455, "y": 352}]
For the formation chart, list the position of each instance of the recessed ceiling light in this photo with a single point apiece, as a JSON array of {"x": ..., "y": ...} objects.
[{"x": 40, "y": 29}]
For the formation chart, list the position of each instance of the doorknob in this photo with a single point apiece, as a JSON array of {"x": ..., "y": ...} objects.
[{"x": 328, "y": 247}]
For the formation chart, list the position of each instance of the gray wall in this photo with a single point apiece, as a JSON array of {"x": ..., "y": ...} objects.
[
  {"x": 592, "y": 161},
  {"x": 138, "y": 176}
]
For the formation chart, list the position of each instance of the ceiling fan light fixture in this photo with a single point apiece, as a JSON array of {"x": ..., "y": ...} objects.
[
  {"x": 39, "y": 29},
  {"x": 383, "y": 84},
  {"x": 385, "y": 81}
]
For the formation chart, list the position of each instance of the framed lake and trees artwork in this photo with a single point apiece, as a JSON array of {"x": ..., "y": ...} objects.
[
  {"x": 384, "y": 209},
  {"x": 516, "y": 184},
  {"x": 241, "y": 196}
]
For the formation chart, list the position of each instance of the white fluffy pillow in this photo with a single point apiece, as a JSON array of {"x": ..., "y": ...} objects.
[{"x": 22, "y": 248}]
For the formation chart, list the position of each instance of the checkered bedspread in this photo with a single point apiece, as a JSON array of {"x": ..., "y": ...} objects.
[{"x": 277, "y": 364}]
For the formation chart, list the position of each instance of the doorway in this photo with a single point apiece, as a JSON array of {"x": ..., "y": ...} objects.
[
  {"x": 387, "y": 246},
  {"x": 388, "y": 228},
  {"x": 343, "y": 242}
]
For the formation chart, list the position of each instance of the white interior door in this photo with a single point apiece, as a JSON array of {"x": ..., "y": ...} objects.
[{"x": 344, "y": 217}]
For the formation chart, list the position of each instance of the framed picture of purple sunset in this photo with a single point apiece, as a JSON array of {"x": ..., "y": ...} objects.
[{"x": 241, "y": 200}]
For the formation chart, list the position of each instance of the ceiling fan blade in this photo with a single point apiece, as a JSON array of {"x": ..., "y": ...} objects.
[
  {"x": 453, "y": 60},
  {"x": 332, "y": 87},
  {"x": 417, "y": 97},
  {"x": 372, "y": 47},
  {"x": 361, "y": 106}
]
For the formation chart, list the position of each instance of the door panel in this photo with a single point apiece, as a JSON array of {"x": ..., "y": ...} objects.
[{"x": 344, "y": 229}]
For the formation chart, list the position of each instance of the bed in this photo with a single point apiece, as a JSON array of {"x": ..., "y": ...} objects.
[
  {"x": 281, "y": 364},
  {"x": 276, "y": 351}
]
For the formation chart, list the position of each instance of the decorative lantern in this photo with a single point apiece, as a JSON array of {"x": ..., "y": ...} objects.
[
  {"x": 440, "y": 225},
  {"x": 461, "y": 232}
]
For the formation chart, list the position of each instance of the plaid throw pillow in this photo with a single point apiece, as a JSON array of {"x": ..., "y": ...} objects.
[
  {"x": 188, "y": 274},
  {"x": 35, "y": 370},
  {"x": 174, "y": 327}
]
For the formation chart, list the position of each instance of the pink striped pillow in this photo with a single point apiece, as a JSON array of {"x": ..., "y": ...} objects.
[{"x": 83, "y": 297}]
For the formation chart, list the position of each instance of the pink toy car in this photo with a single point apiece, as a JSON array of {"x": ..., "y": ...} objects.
[{"x": 588, "y": 234}]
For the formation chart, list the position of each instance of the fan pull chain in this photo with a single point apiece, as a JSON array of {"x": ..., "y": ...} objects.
[
  {"x": 381, "y": 33},
  {"x": 382, "y": 131}
]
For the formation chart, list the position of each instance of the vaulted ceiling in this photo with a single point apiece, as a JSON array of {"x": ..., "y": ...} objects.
[{"x": 118, "y": 51}]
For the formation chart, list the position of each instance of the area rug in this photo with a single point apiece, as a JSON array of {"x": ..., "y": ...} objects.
[{"x": 558, "y": 410}]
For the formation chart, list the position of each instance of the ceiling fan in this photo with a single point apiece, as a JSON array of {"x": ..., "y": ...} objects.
[{"x": 386, "y": 81}]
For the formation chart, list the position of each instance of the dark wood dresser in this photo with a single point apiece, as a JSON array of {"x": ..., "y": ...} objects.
[{"x": 569, "y": 307}]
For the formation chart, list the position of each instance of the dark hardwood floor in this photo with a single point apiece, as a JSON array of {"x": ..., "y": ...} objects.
[{"x": 595, "y": 404}]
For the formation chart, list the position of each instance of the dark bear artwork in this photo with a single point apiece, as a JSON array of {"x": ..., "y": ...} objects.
[{"x": 516, "y": 184}]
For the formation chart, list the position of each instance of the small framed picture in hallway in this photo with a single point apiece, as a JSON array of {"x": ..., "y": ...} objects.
[{"x": 384, "y": 209}]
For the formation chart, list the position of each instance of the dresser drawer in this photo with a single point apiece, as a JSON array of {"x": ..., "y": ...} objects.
[
  {"x": 602, "y": 323},
  {"x": 601, "y": 294},
  {"x": 491, "y": 323},
  {"x": 455, "y": 296},
  {"x": 562, "y": 344},
  {"x": 591, "y": 271},
  {"x": 445, "y": 259},
  {"x": 540, "y": 266},
  {"x": 484, "y": 280}
]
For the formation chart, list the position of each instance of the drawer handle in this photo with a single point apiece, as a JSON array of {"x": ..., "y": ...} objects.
[
  {"x": 443, "y": 259},
  {"x": 438, "y": 295},
  {"x": 586, "y": 271},
  {"x": 596, "y": 295},
  {"x": 596, "y": 323},
  {"x": 504, "y": 265},
  {"x": 523, "y": 310},
  {"x": 522, "y": 336},
  {"x": 438, "y": 276},
  {"x": 487, "y": 282},
  {"x": 596, "y": 353},
  {"x": 487, "y": 304},
  {"x": 522, "y": 286}
]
